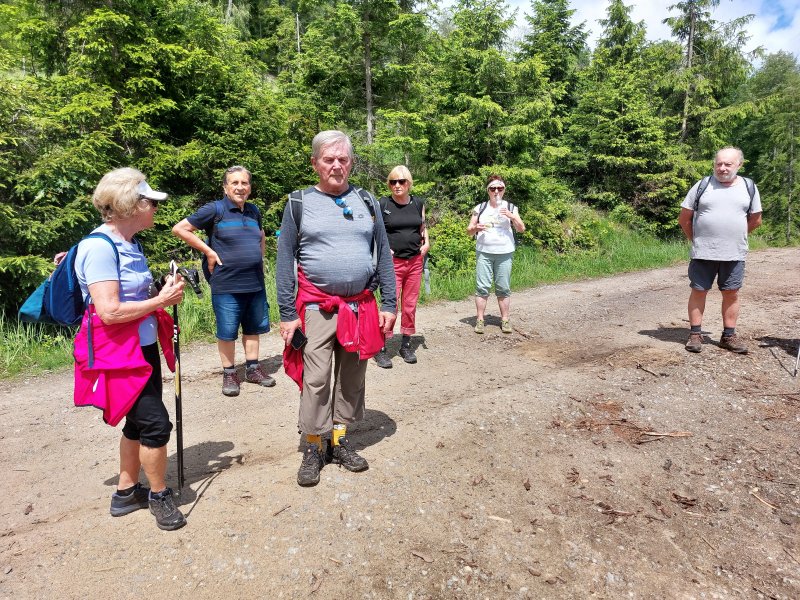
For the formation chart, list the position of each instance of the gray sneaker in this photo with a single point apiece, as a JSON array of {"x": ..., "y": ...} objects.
[
  {"x": 136, "y": 500},
  {"x": 308, "y": 474},
  {"x": 167, "y": 515},
  {"x": 695, "y": 342},
  {"x": 382, "y": 359},
  {"x": 256, "y": 375},
  {"x": 479, "y": 326},
  {"x": 342, "y": 454},
  {"x": 230, "y": 384},
  {"x": 732, "y": 343}
]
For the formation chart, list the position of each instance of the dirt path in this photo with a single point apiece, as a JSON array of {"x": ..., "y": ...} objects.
[{"x": 519, "y": 466}]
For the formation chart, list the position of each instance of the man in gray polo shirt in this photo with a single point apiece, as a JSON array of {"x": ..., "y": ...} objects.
[
  {"x": 331, "y": 300},
  {"x": 717, "y": 224}
]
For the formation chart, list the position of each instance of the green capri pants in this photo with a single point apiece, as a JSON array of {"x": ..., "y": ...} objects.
[{"x": 493, "y": 268}]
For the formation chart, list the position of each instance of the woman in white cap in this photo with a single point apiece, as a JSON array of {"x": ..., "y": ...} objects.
[
  {"x": 124, "y": 315},
  {"x": 492, "y": 222}
]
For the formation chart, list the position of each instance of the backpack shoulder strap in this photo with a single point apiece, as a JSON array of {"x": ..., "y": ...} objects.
[
  {"x": 700, "y": 190},
  {"x": 296, "y": 209},
  {"x": 751, "y": 190},
  {"x": 98, "y": 234},
  {"x": 481, "y": 207},
  {"x": 366, "y": 197}
]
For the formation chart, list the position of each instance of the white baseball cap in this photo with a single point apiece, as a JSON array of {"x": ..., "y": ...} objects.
[{"x": 145, "y": 191}]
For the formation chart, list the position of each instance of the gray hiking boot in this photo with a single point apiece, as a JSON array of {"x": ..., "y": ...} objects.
[
  {"x": 695, "y": 342},
  {"x": 136, "y": 500},
  {"x": 382, "y": 359},
  {"x": 479, "y": 326},
  {"x": 230, "y": 384},
  {"x": 167, "y": 515},
  {"x": 732, "y": 343},
  {"x": 342, "y": 454},
  {"x": 256, "y": 375},
  {"x": 308, "y": 474}
]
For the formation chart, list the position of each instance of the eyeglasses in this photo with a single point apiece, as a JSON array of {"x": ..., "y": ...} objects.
[
  {"x": 396, "y": 181},
  {"x": 497, "y": 189},
  {"x": 346, "y": 210},
  {"x": 153, "y": 203}
]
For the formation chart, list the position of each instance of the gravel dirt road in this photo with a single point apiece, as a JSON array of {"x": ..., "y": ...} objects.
[{"x": 585, "y": 455}]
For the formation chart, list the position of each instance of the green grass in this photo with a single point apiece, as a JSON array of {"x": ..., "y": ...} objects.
[
  {"x": 622, "y": 252},
  {"x": 28, "y": 348}
]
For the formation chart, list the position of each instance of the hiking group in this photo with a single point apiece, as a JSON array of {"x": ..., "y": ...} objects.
[{"x": 337, "y": 246}]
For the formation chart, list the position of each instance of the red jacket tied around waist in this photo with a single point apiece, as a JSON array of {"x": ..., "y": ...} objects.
[
  {"x": 355, "y": 333},
  {"x": 112, "y": 372}
]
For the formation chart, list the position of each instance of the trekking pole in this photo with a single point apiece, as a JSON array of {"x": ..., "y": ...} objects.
[
  {"x": 193, "y": 279},
  {"x": 176, "y": 348},
  {"x": 796, "y": 361},
  {"x": 426, "y": 275}
]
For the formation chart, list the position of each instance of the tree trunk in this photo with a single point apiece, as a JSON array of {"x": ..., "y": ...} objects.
[
  {"x": 368, "y": 81},
  {"x": 229, "y": 11},
  {"x": 790, "y": 184},
  {"x": 689, "y": 58}
]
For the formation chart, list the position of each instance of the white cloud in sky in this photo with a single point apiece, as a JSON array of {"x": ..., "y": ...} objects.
[{"x": 776, "y": 25}]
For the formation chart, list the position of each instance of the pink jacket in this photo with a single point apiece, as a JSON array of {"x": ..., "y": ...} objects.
[
  {"x": 356, "y": 333},
  {"x": 119, "y": 371}
]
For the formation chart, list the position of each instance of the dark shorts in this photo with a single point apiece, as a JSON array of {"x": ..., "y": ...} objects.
[
  {"x": 250, "y": 310},
  {"x": 729, "y": 274},
  {"x": 148, "y": 420}
]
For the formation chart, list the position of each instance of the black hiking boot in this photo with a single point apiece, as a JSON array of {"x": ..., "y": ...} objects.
[
  {"x": 382, "y": 359},
  {"x": 308, "y": 474},
  {"x": 256, "y": 375},
  {"x": 342, "y": 454},
  {"x": 408, "y": 355}
]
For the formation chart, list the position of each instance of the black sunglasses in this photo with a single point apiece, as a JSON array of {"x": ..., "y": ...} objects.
[
  {"x": 497, "y": 189},
  {"x": 153, "y": 203},
  {"x": 396, "y": 181}
]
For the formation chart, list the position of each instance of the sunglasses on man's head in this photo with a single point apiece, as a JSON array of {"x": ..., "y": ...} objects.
[
  {"x": 396, "y": 181},
  {"x": 346, "y": 210},
  {"x": 497, "y": 188}
]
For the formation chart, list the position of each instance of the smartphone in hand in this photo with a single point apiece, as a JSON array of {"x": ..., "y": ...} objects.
[{"x": 298, "y": 339}]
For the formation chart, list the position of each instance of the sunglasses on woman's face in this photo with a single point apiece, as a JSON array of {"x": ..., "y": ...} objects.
[
  {"x": 496, "y": 189},
  {"x": 396, "y": 181},
  {"x": 153, "y": 203}
]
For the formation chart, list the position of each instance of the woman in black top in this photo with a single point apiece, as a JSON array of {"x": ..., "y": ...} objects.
[{"x": 404, "y": 219}]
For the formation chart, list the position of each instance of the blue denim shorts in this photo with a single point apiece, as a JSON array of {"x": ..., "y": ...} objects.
[
  {"x": 250, "y": 310},
  {"x": 729, "y": 274}
]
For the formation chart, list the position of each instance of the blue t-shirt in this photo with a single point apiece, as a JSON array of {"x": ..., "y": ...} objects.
[
  {"x": 237, "y": 241},
  {"x": 95, "y": 262}
]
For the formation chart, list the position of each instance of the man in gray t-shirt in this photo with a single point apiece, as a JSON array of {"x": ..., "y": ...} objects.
[
  {"x": 331, "y": 235},
  {"x": 717, "y": 224}
]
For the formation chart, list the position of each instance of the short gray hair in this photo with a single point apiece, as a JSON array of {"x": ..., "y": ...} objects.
[
  {"x": 328, "y": 138},
  {"x": 116, "y": 197},
  {"x": 738, "y": 150},
  {"x": 236, "y": 169}
]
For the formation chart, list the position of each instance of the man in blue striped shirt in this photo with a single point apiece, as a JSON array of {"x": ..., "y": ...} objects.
[{"x": 234, "y": 255}]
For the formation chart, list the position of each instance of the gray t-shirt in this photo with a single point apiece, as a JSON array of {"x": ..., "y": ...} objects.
[
  {"x": 334, "y": 250},
  {"x": 719, "y": 227}
]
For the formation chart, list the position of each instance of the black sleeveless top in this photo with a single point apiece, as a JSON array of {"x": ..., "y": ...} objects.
[{"x": 402, "y": 222}]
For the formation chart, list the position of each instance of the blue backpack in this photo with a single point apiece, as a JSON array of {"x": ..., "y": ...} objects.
[{"x": 59, "y": 299}]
